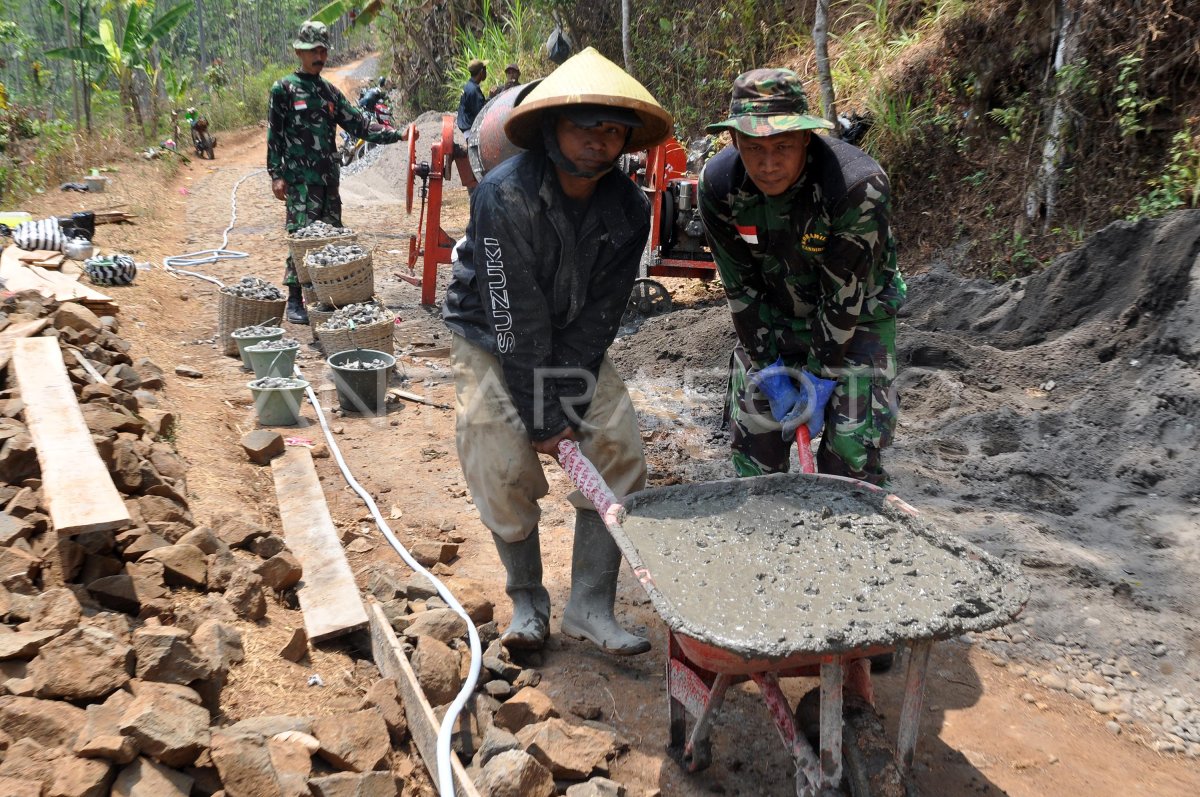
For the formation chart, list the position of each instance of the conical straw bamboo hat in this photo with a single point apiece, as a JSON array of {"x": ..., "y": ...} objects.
[{"x": 588, "y": 78}]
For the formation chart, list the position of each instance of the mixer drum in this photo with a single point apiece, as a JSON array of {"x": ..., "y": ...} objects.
[{"x": 487, "y": 146}]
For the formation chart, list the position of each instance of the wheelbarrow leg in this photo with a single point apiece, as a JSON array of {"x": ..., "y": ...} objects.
[
  {"x": 808, "y": 767},
  {"x": 697, "y": 754},
  {"x": 832, "y": 675},
  {"x": 917, "y": 657}
]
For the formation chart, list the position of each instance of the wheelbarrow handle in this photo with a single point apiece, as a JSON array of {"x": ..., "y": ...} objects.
[
  {"x": 587, "y": 480},
  {"x": 804, "y": 449}
]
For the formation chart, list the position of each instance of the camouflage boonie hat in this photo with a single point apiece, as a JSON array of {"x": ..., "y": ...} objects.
[
  {"x": 311, "y": 35},
  {"x": 765, "y": 102}
]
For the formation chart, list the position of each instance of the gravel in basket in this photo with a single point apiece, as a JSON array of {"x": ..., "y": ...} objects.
[
  {"x": 374, "y": 327},
  {"x": 320, "y": 229},
  {"x": 334, "y": 255},
  {"x": 361, "y": 313},
  {"x": 253, "y": 288}
]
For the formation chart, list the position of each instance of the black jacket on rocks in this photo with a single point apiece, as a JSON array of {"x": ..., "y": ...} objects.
[{"x": 542, "y": 284}]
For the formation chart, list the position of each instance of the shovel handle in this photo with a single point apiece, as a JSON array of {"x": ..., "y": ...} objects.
[
  {"x": 804, "y": 449},
  {"x": 587, "y": 480}
]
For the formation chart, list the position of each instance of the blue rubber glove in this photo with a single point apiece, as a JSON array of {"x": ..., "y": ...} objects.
[{"x": 792, "y": 405}]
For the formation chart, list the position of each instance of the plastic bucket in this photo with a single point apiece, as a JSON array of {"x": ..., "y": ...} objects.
[
  {"x": 250, "y": 340},
  {"x": 278, "y": 406},
  {"x": 271, "y": 362},
  {"x": 361, "y": 390}
]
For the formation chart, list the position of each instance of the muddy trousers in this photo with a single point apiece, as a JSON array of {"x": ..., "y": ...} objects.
[
  {"x": 503, "y": 472},
  {"x": 860, "y": 418},
  {"x": 305, "y": 204}
]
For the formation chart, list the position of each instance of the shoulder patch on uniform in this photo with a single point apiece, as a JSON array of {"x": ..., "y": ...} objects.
[{"x": 299, "y": 105}]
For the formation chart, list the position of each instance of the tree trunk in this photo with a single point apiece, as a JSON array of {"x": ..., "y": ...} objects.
[
  {"x": 201, "y": 45},
  {"x": 820, "y": 33},
  {"x": 83, "y": 69},
  {"x": 74, "y": 74},
  {"x": 626, "y": 45},
  {"x": 1042, "y": 196}
]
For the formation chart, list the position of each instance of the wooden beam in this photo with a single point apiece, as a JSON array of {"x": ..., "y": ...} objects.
[
  {"x": 79, "y": 491},
  {"x": 422, "y": 722},
  {"x": 328, "y": 595},
  {"x": 14, "y": 332},
  {"x": 18, "y": 276}
]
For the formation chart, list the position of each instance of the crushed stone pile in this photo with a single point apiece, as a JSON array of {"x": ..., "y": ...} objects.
[{"x": 253, "y": 288}]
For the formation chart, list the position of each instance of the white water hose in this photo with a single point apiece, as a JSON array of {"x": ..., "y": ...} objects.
[
  {"x": 175, "y": 264},
  {"x": 445, "y": 775}
]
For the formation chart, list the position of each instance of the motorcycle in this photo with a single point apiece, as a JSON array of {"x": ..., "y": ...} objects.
[
  {"x": 202, "y": 141},
  {"x": 374, "y": 104}
]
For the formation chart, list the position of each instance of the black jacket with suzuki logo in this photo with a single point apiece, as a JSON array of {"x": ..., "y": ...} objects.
[{"x": 542, "y": 289}]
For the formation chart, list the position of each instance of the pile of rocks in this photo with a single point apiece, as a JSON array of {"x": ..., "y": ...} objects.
[
  {"x": 357, "y": 315},
  {"x": 115, "y": 645},
  {"x": 511, "y": 736},
  {"x": 334, "y": 255},
  {"x": 320, "y": 229}
]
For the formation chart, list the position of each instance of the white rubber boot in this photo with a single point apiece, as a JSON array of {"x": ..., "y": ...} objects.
[
  {"x": 595, "y": 565},
  {"x": 531, "y": 603}
]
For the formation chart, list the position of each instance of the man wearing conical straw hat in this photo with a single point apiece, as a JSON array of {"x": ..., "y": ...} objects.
[{"x": 542, "y": 279}]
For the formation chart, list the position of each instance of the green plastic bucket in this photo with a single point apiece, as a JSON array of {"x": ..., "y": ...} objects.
[
  {"x": 278, "y": 406},
  {"x": 271, "y": 362},
  {"x": 362, "y": 390},
  {"x": 249, "y": 340}
]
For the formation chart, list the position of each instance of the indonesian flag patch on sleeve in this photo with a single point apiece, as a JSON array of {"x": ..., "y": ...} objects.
[
  {"x": 749, "y": 234},
  {"x": 300, "y": 105}
]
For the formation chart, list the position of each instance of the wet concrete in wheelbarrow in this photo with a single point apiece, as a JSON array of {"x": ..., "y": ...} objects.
[{"x": 783, "y": 565}]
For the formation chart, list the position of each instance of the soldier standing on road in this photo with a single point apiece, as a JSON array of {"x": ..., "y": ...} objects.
[
  {"x": 800, "y": 228},
  {"x": 542, "y": 279},
  {"x": 304, "y": 111}
]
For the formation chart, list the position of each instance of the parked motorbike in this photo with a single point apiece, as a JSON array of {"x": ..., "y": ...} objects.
[
  {"x": 374, "y": 104},
  {"x": 202, "y": 141}
]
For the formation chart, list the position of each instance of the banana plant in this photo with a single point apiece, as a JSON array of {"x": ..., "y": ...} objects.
[{"x": 330, "y": 13}]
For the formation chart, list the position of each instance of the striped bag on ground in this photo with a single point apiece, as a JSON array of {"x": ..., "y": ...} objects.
[
  {"x": 41, "y": 234},
  {"x": 115, "y": 270}
]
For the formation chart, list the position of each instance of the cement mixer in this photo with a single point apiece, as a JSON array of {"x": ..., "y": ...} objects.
[{"x": 676, "y": 247}]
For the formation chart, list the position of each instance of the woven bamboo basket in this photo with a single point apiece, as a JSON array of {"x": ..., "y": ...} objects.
[
  {"x": 317, "y": 314},
  {"x": 310, "y": 295},
  {"x": 235, "y": 312},
  {"x": 377, "y": 336},
  {"x": 298, "y": 248},
  {"x": 345, "y": 283}
]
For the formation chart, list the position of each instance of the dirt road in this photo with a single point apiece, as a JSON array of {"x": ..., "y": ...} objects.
[{"x": 995, "y": 723}]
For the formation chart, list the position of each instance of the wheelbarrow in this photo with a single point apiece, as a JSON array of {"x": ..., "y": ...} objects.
[{"x": 803, "y": 574}]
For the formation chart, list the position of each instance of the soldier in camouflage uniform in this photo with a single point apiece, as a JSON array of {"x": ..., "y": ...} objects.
[
  {"x": 800, "y": 230},
  {"x": 303, "y": 113}
]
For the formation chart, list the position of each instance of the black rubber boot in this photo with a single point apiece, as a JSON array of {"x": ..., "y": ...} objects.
[
  {"x": 296, "y": 311},
  {"x": 531, "y": 603},
  {"x": 595, "y": 565}
]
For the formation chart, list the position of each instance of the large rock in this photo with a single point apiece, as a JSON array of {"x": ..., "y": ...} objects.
[
  {"x": 106, "y": 419},
  {"x": 526, "y": 707},
  {"x": 570, "y": 752},
  {"x": 85, "y": 663},
  {"x": 146, "y": 778},
  {"x": 356, "y": 742},
  {"x": 443, "y": 625},
  {"x": 20, "y": 787},
  {"x": 262, "y": 445},
  {"x": 220, "y": 643},
  {"x": 354, "y": 784},
  {"x": 50, "y": 723},
  {"x": 63, "y": 774},
  {"x": 437, "y": 670},
  {"x": 101, "y": 735},
  {"x": 19, "y": 563},
  {"x": 384, "y": 696},
  {"x": 203, "y": 538},
  {"x": 183, "y": 565},
  {"x": 496, "y": 740},
  {"x": 167, "y": 726},
  {"x": 273, "y": 725},
  {"x": 166, "y": 654},
  {"x": 245, "y": 594},
  {"x": 235, "y": 530},
  {"x": 124, "y": 593},
  {"x": 71, "y": 315},
  {"x": 281, "y": 571},
  {"x": 597, "y": 787},
  {"x": 244, "y": 763},
  {"x": 516, "y": 774},
  {"x": 473, "y": 600},
  {"x": 155, "y": 508},
  {"x": 430, "y": 552},
  {"x": 18, "y": 459},
  {"x": 25, "y": 644},
  {"x": 12, "y": 529}
]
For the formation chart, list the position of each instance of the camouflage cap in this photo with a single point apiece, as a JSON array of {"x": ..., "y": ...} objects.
[
  {"x": 765, "y": 102},
  {"x": 312, "y": 35}
]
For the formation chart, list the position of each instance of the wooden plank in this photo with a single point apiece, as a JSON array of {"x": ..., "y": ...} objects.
[
  {"x": 422, "y": 722},
  {"x": 79, "y": 490},
  {"x": 17, "y": 276},
  {"x": 14, "y": 332},
  {"x": 328, "y": 595},
  {"x": 39, "y": 255}
]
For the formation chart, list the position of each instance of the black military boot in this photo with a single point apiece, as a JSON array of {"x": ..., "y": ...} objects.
[{"x": 296, "y": 312}]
